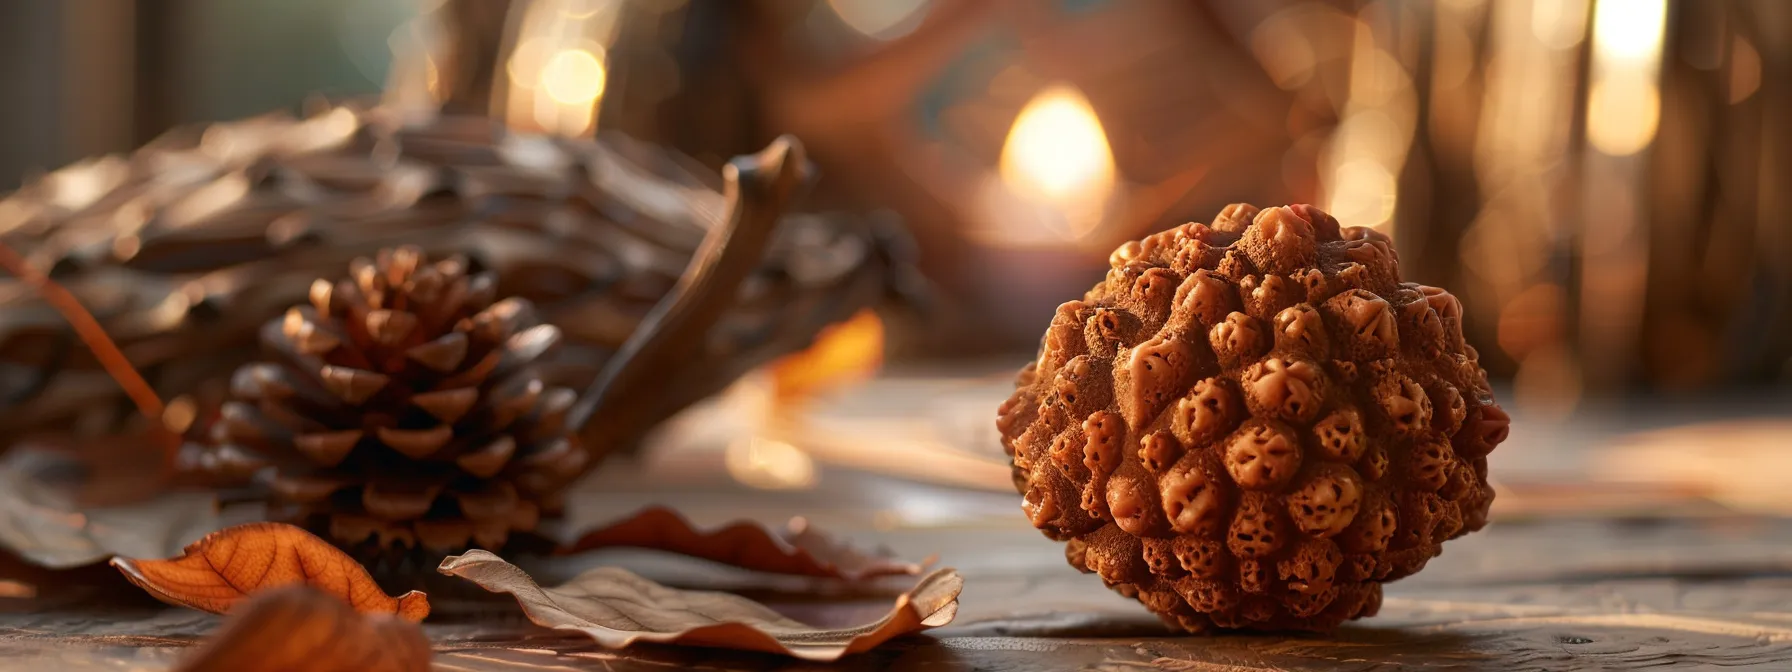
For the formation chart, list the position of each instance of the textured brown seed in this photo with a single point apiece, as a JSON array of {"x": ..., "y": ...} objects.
[
  {"x": 1159, "y": 450},
  {"x": 1290, "y": 389},
  {"x": 1263, "y": 455},
  {"x": 1208, "y": 412},
  {"x": 1293, "y": 428}
]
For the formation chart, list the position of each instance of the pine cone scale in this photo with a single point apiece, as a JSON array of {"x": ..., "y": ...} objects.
[
  {"x": 328, "y": 449},
  {"x": 417, "y": 444},
  {"x": 442, "y": 354},
  {"x": 447, "y": 405},
  {"x": 405, "y": 407}
]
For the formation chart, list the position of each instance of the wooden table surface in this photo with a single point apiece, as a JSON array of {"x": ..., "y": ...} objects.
[{"x": 1575, "y": 573}]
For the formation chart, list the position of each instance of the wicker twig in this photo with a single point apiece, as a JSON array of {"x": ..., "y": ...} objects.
[{"x": 184, "y": 248}]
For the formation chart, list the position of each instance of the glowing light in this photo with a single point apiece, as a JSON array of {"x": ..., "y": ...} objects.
[
  {"x": 527, "y": 61},
  {"x": 1362, "y": 192},
  {"x": 81, "y": 184},
  {"x": 1629, "y": 29},
  {"x": 1058, "y": 153},
  {"x": 1559, "y": 24},
  {"x": 207, "y": 201},
  {"x": 573, "y": 77},
  {"x": 180, "y": 414},
  {"x": 882, "y": 19},
  {"x": 1622, "y": 115},
  {"x": 564, "y": 119},
  {"x": 579, "y": 10},
  {"x": 769, "y": 464},
  {"x": 1624, "y": 103},
  {"x": 1284, "y": 52},
  {"x": 843, "y": 354}
]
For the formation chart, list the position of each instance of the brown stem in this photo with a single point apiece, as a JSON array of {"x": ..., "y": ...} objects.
[
  {"x": 91, "y": 333},
  {"x": 758, "y": 189}
]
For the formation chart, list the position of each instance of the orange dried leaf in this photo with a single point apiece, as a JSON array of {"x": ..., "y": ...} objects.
[
  {"x": 799, "y": 550},
  {"x": 217, "y": 572},
  {"x": 617, "y": 608},
  {"x": 301, "y": 629}
]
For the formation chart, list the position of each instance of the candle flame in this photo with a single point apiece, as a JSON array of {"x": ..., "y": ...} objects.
[{"x": 1058, "y": 153}]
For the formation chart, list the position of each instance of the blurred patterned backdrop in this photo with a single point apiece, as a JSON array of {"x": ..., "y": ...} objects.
[{"x": 1605, "y": 182}]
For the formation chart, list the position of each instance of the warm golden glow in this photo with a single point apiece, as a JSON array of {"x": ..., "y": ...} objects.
[
  {"x": 769, "y": 464},
  {"x": 432, "y": 78},
  {"x": 573, "y": 77},
  {"x": 1624, "y": 102},
  {"x": 882, "y": 19},
  {"x": 843, "y": 354},
  {"x": 556, "y": 73},
  {"x": 1559, "y": 24},
  {"x": 1057, "y": 153},
  {"x": 1622, "y": 115},
  {"x": 178, "y": 417},
  {"x": 1748, "y": 474},
  {"x": 1361, "y": 166},
  {"x": 527, "y": 61},
  {"x": 1629, "y": 29},
  {"x": 1362, "y": 192}
]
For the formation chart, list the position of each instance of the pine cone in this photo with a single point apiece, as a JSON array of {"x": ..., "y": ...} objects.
[
  {"x": 403, "y": 411},
  {"x": 1254, "y": 423}
]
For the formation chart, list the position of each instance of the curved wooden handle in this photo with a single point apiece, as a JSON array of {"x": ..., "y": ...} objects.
[{"x": 759, "y": 188}]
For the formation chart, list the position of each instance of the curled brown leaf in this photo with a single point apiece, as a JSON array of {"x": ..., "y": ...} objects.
[
  {"x": 799, "y": 550},
  {"x": 217, "y": 572},
  {"x": 617, "y": 608},
  {"x": 298, "y": 628},
  {"x": 45, "y": 520}
]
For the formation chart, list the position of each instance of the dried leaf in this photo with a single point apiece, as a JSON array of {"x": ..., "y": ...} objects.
[
  {"x": 617, "y": 608},
  {"x": 220, "y": 570},
  {"x": 43, "y": 522},
  {"x": 302, "y": 629},
  {"x": 800, "y": 550}
]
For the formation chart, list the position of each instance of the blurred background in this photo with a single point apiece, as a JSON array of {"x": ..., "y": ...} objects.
[{"x": 1607, "y": 184}]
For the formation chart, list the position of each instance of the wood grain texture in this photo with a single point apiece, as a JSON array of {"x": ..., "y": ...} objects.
[
  {"x": 1560, "y": 588},
  {"x": 1562, "y": 595}
]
